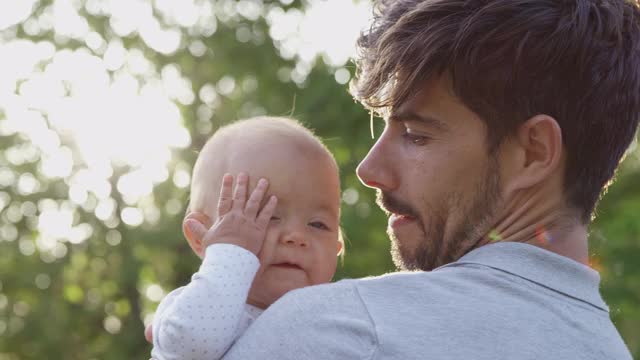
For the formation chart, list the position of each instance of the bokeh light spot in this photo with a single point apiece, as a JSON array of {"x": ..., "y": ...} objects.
[
  {"x": 43, "y": 281},
  {"x": 132, "y": 216},
  {"x": 112, "y": 324},
  {"x": 154, "y": 292}
]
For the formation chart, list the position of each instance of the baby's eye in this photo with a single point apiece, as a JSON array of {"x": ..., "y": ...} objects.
[
  {"x": 275, "y": 218},
  {"x": 319, "y": 225}
]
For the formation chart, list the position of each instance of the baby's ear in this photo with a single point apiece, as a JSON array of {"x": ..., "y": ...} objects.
[{"x": 195, "y": 239}]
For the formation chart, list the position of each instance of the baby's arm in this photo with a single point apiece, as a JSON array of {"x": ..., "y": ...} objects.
[{"x": 204, "y": 318}]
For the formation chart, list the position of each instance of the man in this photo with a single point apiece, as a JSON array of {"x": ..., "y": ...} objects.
[{"x": 505, "y": 120}]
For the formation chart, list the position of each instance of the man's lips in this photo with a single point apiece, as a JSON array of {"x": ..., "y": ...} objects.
[
  {"x": 397, "y": 220},
  {"x": 398, "y": 211}
]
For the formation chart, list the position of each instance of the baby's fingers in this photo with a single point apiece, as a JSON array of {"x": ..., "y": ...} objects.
[
  {"x": 148, "y": 333},
  {"x": 253, "y": 204},
  {"x": 197, "y": 230},
  {"x": 225, "y": 201},
  {"x": 267, "y": 212},
  {"x": 240, "y": 194}
]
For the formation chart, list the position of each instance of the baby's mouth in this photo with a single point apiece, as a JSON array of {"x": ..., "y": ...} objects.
[{"x": 287, "y": 265}]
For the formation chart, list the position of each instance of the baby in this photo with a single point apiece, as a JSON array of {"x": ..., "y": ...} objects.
[{"x": 281, "y": 236}]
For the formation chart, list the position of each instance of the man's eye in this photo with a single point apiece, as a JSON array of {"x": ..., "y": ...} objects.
[
  {"x": 415, "y": 139},
  {"x": 319, "y": 225}
]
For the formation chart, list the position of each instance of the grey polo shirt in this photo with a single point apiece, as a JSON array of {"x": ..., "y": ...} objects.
[{"x": 501, "y": 301}]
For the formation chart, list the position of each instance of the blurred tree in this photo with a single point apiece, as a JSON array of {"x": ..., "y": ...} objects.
[{"x": 89, "y": 243}]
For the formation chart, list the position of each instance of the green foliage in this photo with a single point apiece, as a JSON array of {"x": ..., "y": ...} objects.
[{"x": 89, "y": 299}]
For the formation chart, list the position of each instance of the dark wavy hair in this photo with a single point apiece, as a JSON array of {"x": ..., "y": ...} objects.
[{"x": 575, "y": 60}]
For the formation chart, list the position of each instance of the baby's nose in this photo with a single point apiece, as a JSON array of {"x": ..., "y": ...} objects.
[{"x": 294, "y": 238}]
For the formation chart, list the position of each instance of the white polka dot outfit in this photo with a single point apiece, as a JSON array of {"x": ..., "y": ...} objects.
[{"x": 202, "y": 319}]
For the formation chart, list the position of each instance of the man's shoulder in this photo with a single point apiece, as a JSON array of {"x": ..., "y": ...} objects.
[
  {"x": 351, "y": 286},
  {"x": 340, "y": 292},
  {"x": 469, "y": 287},
  {"x": 358, "y": 292},
  {"x": 350, "y": 297},
  {"x": 401, "y": 280},
  {"x": 333, "y": 315}
]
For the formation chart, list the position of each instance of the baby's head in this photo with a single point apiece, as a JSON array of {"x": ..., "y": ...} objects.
[{"x": 303, "y": 238}]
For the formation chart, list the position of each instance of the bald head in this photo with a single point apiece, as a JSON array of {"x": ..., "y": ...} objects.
[{"x": 261, "y": 146}]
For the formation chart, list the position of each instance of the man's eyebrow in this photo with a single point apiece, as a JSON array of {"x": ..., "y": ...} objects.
[{"x": 425, "y": 120}]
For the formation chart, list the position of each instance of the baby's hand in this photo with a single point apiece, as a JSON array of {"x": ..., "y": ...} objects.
[{"x": 240, "y": 221}]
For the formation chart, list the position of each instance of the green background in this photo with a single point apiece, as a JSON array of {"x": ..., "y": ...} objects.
[{"x": 66, "y": 307}]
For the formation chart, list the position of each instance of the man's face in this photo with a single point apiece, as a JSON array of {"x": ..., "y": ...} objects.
[{"x": 435, "y": 178}]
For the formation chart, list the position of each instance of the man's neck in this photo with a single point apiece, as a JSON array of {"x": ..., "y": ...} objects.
[{"x": 543, "y": 221}]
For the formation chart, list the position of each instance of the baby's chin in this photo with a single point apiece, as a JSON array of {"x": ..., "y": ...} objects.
[
  {"x": 270, "y": 286},
  {"x": 263, "y": 297},
  {"x": 265, "y": 294}
]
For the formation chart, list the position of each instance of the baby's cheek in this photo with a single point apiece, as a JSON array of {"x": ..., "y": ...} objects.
[{"x": 324, "y": 271}]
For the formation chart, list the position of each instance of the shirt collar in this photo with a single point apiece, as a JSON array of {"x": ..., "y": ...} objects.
[{"x": 541, "y": 266}]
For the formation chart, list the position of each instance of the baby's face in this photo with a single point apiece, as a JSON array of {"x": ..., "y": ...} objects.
[{"x": 301, "y": 244}]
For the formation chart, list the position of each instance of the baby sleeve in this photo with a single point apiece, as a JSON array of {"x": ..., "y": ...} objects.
[{"x": 202, "y": 319}]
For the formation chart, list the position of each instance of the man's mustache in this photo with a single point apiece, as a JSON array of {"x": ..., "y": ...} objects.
[{"x": 389, "y": 205}]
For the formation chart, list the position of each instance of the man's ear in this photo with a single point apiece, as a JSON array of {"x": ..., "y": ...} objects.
[
  {"x": 195, "y": 239},
  {"x": 535, "y": 153}
]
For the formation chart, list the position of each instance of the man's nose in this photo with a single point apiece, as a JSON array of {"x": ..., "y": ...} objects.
[
  {"x": 375, "y": 170},
  {"x": 294, "y": 238}
]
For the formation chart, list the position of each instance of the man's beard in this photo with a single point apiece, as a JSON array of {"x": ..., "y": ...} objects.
[{"x": 432, "y": 250}]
